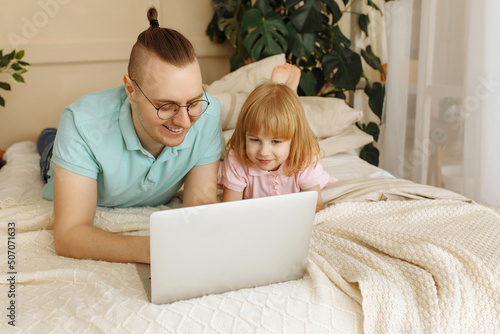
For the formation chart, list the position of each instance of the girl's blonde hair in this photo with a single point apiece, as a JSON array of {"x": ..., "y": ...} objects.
[{"x": 277, "y": 110}]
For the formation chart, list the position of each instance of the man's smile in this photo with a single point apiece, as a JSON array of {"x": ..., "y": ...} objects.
[{"x": 175, "y": 131}]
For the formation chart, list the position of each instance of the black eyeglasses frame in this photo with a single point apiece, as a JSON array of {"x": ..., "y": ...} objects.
[{"x": 173, "y": 103}]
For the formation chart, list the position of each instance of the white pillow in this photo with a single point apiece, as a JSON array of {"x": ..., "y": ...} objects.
[
  {"x": 247, "y": 77},
  {"x": 350, "y": 139},
  {"x": 20, "y": 177},
  {"x": 230, "y": 107},
  {"x": 327, "y": 116}
]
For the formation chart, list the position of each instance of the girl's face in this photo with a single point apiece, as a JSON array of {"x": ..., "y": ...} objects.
[{"x": 267, "y": 153}]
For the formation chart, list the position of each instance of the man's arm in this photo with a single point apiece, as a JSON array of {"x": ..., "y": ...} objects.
[
  {"x": 200, "y": 186},
  {"x": 75, "y": 201}
]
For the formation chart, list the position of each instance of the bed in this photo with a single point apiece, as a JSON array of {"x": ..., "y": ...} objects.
[{"x": 386, "y": 255}]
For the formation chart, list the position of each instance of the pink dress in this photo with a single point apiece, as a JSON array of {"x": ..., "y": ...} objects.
[{"x": 255, "y": 182}]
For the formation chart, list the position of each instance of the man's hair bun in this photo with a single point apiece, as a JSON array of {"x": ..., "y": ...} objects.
[{"x": 153, "y": 17}]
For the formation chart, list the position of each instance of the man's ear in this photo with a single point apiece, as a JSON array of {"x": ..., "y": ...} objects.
[{"x": 129, "y": 86}]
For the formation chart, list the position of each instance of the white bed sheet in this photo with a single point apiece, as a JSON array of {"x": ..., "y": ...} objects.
[
  {"x": 378, "y": 263},
  {"x": 20, "y": 177},
  {"x": 348, "y": 165}
]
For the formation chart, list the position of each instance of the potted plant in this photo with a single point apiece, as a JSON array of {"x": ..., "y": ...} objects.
[
  {"x": 308, "y": 32},
  {"x": 12, "y": 64}
]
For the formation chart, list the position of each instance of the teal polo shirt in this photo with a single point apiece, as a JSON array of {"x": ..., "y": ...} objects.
[{"x": 96, "y": 138}]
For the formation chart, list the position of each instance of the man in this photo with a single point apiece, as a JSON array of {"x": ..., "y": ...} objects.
[{"x": 135, "y": 145}]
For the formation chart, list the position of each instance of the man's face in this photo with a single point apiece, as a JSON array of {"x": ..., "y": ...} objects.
[{"x": 163, "y": 83}]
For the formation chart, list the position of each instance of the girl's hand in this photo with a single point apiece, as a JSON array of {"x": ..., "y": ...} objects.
[{"x": 319, "y": 204}]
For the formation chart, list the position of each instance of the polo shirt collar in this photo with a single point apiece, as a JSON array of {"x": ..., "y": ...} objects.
[
  {"x": 255, "y": 171},
  {"x": 127, "y": 126}
]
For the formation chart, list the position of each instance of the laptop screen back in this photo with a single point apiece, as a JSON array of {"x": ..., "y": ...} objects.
[{"x": 215, "y": 248}]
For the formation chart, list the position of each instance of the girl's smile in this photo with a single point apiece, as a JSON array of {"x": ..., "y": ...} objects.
[{"x": 267, "y": 153}]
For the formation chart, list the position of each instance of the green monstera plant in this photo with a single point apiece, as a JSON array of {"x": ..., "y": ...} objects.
[
  {"x": 12, "y": 64},
  {"x": 308, "y": 32}
]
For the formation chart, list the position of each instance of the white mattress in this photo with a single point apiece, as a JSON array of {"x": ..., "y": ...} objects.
[{"x": 386, "y": 256}]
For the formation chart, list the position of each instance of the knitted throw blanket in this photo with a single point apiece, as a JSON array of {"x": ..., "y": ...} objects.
[
  {"x": 421, "y": 266},
  {"x": 416, "y": 266}
]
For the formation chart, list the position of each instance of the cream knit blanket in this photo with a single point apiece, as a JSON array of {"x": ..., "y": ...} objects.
[
  {"x": 418, "y": 266},
  {"x": 422, "y": 266}
]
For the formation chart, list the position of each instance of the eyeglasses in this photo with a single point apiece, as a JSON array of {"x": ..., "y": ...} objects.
[{"x": 169, "y": 110}]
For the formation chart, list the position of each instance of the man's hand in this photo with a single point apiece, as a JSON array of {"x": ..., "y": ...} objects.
[{"x": 75, "y": 201}]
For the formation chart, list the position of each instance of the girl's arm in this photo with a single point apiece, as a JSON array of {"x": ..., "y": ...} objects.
[
  {"x": 229, "y": 195},
  {"x": 319, "y": 204}
]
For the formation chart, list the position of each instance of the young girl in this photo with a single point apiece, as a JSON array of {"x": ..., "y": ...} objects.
[{"x": 273, "y": 150}]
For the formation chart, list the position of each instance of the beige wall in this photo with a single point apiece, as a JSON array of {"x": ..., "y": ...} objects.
[{"x": 80, "y": 46}]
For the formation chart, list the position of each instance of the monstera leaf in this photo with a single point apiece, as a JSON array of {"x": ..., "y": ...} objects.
[
  {"x": 376, "y": 94},
  {"x": 231, "y": 29},
  {"x": 371, "y": 128},
  {"x": 370, "y": 154},
  {"x": 308, "y": 17},
  {"x": 266, "y": 6},
  {"x": 372, "y": 60},
  {"x": 301, "y": 45},
  {"x": 311, "y": 82},
  {"x": 224, "y": 9},
  {"x": 363, "y": 22},
  {"x": 267, "y": 35},
  {"x": 343, "y": 67},
  {"x": 372, "y": 4}
]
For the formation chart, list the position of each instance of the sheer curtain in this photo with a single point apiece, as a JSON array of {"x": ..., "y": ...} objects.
[{"x": 441, "y": 122}]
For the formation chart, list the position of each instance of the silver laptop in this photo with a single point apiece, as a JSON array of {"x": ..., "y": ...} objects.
[{"x": 216, "y": 248}]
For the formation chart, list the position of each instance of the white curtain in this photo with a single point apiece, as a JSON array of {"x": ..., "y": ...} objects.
[{"x": 441, "y": 122}]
